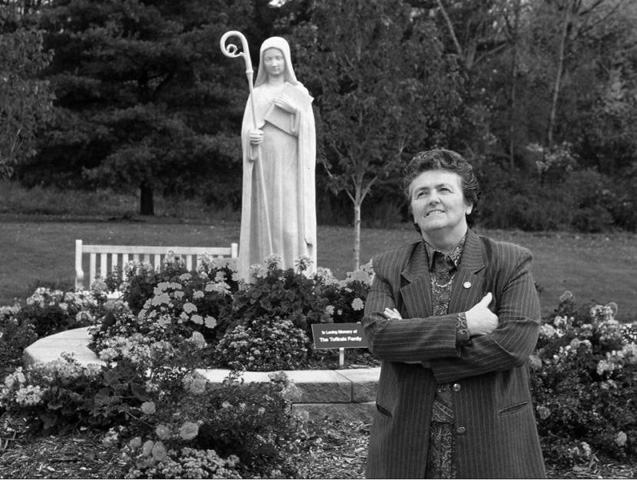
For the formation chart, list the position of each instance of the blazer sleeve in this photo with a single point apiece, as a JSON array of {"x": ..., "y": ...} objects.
[
  {"x": 518, "y": 310},
  {"x": 410, "y": 340}
]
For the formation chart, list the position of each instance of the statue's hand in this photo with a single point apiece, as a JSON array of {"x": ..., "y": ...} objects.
[
  {"x": 283, "y": 101},
  {"x": 256, "y": 137}
]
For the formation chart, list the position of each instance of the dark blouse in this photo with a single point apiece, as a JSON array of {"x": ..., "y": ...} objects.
[{"x": 440, "y": 457}]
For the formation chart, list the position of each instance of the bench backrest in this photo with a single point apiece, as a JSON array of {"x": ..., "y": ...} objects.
[{"x": 106, "y": 258}]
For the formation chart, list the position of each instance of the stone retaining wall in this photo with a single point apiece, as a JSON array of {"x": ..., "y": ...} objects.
[{"x": 346, "y": 394}]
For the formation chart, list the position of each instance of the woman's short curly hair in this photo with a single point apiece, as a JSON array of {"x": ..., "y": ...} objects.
[{"x": 441, "y": 159}]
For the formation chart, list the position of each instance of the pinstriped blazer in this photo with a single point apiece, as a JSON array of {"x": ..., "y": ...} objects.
[{"x": 496, "y": 433}]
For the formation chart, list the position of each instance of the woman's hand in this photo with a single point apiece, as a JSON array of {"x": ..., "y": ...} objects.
[
  {"x": 481, "y": 320},
  {"x": 392, "y": 314},
  {"x": 256, "y": 137}
]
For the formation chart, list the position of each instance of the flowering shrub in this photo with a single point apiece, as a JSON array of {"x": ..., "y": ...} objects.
[
  {"x": 227, "y": 431},
  {"x": 272, "y": 315},
  {"x": 157, "y": 462},
  {"x": 52, "y": 311},
  {"x": 168, "y": 419},
  {"x": 585, "y": 382},
  {"x": 181, "y": 305},
  {"x": 142, "y": 279},
  {"x": 264, "y": 344},
  {"x": 55, "y": 395},
  {"x": 46, "y": 312},
  {"x": 346, "y": 298},
  {"x": 287, "y": 294},
  {"x": 15, "y": 336}
]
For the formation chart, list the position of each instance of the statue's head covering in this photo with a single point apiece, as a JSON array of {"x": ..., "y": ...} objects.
[{"x": 281, "y": 44}]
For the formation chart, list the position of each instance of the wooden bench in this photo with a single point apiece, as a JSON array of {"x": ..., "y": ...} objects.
[{"x": 106, "y": 258}]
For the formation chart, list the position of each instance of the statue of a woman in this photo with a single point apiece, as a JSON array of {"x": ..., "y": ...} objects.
[{"x": 278, "y": 209}]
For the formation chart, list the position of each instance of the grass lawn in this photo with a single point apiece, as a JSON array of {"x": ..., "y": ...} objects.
[{"x": 594, "y": 267}]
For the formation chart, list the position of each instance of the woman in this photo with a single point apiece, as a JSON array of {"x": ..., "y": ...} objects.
[
  {"x": 454, "y": 318},
  {"x": 278, "y": 214}
]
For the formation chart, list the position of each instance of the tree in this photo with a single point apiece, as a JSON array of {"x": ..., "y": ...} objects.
[
  {"x": 25, "y": 100},
  {"x": 382, "y": 88},
  {"x": 565, "y": 30},
  {"x": 143, "y": 96}
]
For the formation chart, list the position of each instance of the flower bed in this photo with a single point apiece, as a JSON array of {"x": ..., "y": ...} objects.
[{"x": 170, "y": 422}]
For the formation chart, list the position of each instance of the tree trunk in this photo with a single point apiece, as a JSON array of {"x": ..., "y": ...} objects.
[
  {"x": 558, "y": 75},
  {"x": 357, "y": 233},
  {"x": 512, "y": 93},
  {"x": 146, "y": 205}
]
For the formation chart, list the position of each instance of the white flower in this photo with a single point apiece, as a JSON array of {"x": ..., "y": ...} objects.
[
  {"x": 159, "y": 452},
  {"x": 303, "y": 263},
  {"x": 210, "y": 322},
  {"x": 148, "y": 408},
  {"x": 189, "y": 430},
  {"x": 162, "y": 431},
  {"x": 621, "y": 439},
  {"x": 198, "y": 340},
  {"x": 147, "y": 449},
  {"x": 273, "y": 262},
  {"x": 198, "y": 386},
  {"x": 543, "y": 412},
  {"x": 535, "y": 362},
  {"x": 29, "y": 395},
  {"x": 160, "y": 299},
  {"x": 357, "y": 304},
  {"x": 548, "y": 331},
  {"x": 190, "y": 307},
  {"x": 135, "y": 442}
]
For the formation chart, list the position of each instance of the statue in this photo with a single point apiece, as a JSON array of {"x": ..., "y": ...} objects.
[{"x": 278, "y": 215}]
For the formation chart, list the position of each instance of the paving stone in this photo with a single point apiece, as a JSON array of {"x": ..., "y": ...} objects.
[
  {"x": 317, "y": 386},
  {"x": 348, "y": 412}
]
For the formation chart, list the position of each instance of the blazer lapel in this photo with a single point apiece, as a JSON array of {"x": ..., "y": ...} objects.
[
  {"x": 468, "y": 285},
  {"x": 416, "y": 285}
]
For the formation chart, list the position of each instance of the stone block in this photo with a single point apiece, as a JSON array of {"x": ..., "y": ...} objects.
[
  {"x": 364, "y": 382},
  {"x": 321, "y": 386},
  {"x": 50, "y": 348}
]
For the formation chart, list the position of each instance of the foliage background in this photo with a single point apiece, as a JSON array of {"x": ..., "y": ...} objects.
[{"x": 136, "y": 95}]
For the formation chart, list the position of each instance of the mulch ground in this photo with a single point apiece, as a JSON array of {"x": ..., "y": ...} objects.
[{"x": 335, "y": 450}]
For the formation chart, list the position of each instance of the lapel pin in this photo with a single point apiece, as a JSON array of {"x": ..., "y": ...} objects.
[{"x": 466, "y": 284}]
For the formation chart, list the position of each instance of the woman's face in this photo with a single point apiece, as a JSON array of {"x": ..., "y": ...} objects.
[
  {"x": 274, "y": 62},
  {"x": 438, "y": 204}
]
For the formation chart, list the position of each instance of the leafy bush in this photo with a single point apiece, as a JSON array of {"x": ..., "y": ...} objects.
[
  {"x": 560, "y": 197},
  {"x": 141, "y": 279},
  {"x": 248, "y": 430},
  {"x": 287, "y": 294},
  {"x": 584, "y": 383},
  {"x": 15, "y": 336},
  {"x": 346, "y": 298},
  {"x": 264, "y": 344},
  {"x": 168, "y": 419},
  {"x": 57, "y": 395},
  {"x": 272, "y": 315},
  {"x": 171, "y": 423},
  {"x": 592, "y": 196},
  {"x": 52, "y": 311}
]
